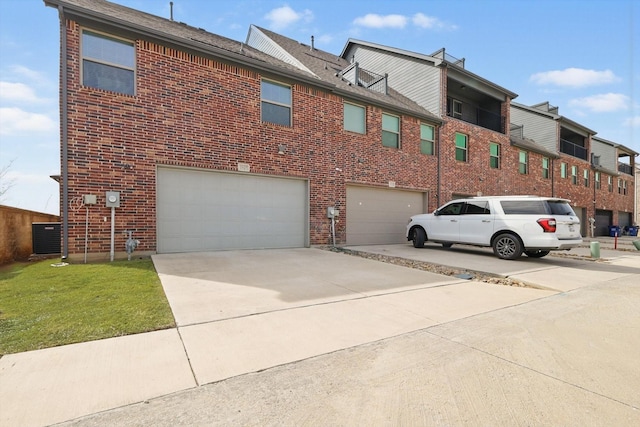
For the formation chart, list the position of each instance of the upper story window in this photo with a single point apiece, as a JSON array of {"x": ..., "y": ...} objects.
[
  {"x": 108, "y": 63},
  {"x": 275, "y": 102},
  {"x": 545, "y": 167},
  {"x": 574, "y": 174},
  {"x": 624, "y": 187},
  {"x": 354, "y": 118},
  {"x": 494, "y": 155},
  {"x": 461, "y": 147},
  {"x": 427, "y": 139},
  {"x": 563, "y": 170},
  {"x": 456, "y": 109},
  {"x": 585, "y": 177},
  {"x": 619, "y": 186},
  {"x": 596, "y": 178},
  {"x": 523, "y": 163},
  {"x": 390, "y": 131},
  {"x": 610, "y": 184}
]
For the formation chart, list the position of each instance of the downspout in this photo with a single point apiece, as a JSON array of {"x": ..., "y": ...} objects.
[
  {"x": 438, "y": 167},
  {"x": 553, "y": 177},
  {"x": 64, "y": 133}
]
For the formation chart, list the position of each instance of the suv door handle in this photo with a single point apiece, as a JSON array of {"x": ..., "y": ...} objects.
[
  {"x": 454, "y": 220},
  {"x": 486, "y": 220}
]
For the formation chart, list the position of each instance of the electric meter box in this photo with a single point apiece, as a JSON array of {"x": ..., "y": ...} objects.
[{"x": 113, "y": 199}]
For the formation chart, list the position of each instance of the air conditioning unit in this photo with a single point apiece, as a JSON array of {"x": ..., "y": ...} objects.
[{"x": 595, "y": 160}]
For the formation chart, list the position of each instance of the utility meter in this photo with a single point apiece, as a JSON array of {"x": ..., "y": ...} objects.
[{"x": 113, "y": 199}]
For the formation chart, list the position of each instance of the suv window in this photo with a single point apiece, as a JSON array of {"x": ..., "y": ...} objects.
[
  {"x": 560, "y": 208},
  {"x": 524, "y": 207},
  {"x": 452, "y": 209},
  {"x": 477, "y": 208}
]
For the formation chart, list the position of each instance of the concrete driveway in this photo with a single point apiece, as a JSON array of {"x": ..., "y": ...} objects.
[{"x": 244, "y": 311}]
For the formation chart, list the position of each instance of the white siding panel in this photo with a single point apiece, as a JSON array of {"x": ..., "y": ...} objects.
[
  {"x": 415, "y": 79},
  {"x": 543, "y": 130},
  {"x": 607, "y": 153}
]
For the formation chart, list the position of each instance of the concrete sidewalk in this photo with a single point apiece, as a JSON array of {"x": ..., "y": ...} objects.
[{"x": 240, "y": 312}]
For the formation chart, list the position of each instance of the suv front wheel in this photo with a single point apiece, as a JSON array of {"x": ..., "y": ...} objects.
[
  {"x": 419, "y": 237},
  {"x": 507, "y": 246}
]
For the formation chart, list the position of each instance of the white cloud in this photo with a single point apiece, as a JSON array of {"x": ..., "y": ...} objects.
[
  {"x": 373, "y": 20},
  {"x": 574, "y": 77},
  {"x": 632, "y": 121},
  {"x": 284, "y": 16},
  {"x": 17, "y": 92},
  {"x": 14, "y": 121},
  {"x": 423, "y": 21},
  {"x": 603, "y": 103},
  {"x": 28, "y": 73}
]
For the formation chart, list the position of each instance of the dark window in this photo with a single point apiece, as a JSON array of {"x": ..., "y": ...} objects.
[
  {"x": 390, "y": 131},
  {"x": 524, "y": 207},
  {"x": 354, "y": 118},
  {"x": 560, "y": 208},
  {"x": 452, "y": 209},
  {"x": 461, "y": 147},
  {"x": 427, "y": 139},
  {"x": 108, "y": 63},
  {"x": 477, "y": 208},
  {"x": 276, "y": 103},
  {"x": 494, "y": 155}
]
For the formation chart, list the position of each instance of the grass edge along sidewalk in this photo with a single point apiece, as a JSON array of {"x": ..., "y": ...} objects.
[{"x": 43, "y": 305}]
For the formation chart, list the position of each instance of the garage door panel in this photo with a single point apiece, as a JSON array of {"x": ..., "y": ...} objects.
[
  {"x": 204, "y": 210},
  {"x": 380, "y": 215}
]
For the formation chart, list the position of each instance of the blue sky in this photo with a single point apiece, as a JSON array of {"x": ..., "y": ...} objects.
[{"x": 582, "y": 56}]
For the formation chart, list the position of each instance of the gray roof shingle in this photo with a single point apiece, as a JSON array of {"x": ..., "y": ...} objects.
[{"x": 323, "y": 64}]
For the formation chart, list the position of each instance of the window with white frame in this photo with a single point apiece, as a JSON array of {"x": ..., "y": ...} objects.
[
  {"x": 610, "y": 184},
  {"x": 355, "y": 118},
  {"x": 574, "y": 175},
  {"x": 427, "y": 139},
  {"x": 563, "y": 170},
  {"x": 108, "y": 63},
  {"x": 585, "y": 177},
  {"x": 624, "y": 187},
  {"x": 275, "y": 103},
  {"x": 461, "y": 147},
  {"x": 494, "y": 155},
  {"x": 545, "y": 167},
  {"x": 596, "y": 179},
  {"x": 619, "y": 186},
  {"x": 523, "y": 162},
  {"x": 390, "y": 131}
]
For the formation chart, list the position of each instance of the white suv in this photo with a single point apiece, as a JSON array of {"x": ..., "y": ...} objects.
[{"x": 510, "y": 225}]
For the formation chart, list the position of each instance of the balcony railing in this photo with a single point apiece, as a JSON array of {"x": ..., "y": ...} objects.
[
  {"x": 625, "y": 168},
  {"x": 480, "y": 117},
  {"x": 575, "y": 150}
]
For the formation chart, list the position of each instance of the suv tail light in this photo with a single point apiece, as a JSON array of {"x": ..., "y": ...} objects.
[{"x": 548, "y": 225}]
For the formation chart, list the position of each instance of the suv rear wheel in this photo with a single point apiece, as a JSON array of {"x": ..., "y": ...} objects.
[{"x": 507, "y": 246}]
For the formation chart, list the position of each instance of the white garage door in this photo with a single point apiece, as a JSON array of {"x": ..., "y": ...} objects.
[
  {"x": 379, "y": 215},
  {"x": 202, "y": 210}
]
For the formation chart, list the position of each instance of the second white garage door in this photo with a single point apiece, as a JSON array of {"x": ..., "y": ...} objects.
[
  {"x": 378, "y": 216},
  {"x": 199, "y": 210}
]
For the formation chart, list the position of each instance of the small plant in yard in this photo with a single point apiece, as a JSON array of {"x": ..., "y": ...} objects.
[{"x": 45, "y": 306}]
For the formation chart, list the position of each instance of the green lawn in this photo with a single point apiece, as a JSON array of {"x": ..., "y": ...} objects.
[{"x": 44, "y": 306}]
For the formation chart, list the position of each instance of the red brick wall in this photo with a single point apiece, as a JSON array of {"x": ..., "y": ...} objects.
[{"x": 195, "y": 112}]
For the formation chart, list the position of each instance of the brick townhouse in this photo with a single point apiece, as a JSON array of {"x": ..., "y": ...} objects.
[{"x": 192, "y": 141}]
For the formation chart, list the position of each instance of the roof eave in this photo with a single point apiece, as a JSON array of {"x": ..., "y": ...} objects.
[{"x": 192, "y": 45}]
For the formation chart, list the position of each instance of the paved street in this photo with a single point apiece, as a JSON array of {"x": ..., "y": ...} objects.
[{"x": 311, "y": 337}]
